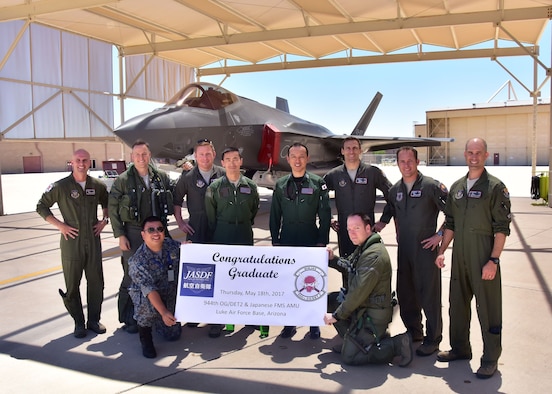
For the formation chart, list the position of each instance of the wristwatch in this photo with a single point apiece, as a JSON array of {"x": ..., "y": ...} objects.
[
  {"x": 106, "y": 220},
  {"x": 495, "y": 260},
  {"x": 440, "y": 233}
]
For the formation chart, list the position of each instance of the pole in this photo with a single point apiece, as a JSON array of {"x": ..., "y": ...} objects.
[
  {"x": 1, "y": 200},
  {"x": 550, "y": 142}
]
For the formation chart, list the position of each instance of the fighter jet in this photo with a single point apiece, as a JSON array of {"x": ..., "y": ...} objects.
[{"x": 203, "y": 111}]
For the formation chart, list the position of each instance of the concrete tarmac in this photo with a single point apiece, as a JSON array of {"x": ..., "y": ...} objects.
[{"x": 38, "y": 352}]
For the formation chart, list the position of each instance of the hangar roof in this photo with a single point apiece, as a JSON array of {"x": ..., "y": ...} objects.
[{"x": 230, "y": 36}]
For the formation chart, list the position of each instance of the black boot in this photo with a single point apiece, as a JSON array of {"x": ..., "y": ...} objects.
[
  {"x": 148, "y": 350},
  {"x": 402, "y": 344}
]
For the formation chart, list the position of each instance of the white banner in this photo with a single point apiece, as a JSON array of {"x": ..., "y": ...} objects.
[{"x": 257, "y": 285}]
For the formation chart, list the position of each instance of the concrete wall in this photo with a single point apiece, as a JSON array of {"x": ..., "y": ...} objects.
[{"x": 54, "y": 155}]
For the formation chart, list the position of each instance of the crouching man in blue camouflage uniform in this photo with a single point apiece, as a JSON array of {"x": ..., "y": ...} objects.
[
  {"x": 154, "y": 273},
  {"x": 361, "y": 314}
]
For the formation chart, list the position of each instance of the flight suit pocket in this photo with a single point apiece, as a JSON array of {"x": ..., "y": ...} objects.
[{"x": 127, "y": 212}]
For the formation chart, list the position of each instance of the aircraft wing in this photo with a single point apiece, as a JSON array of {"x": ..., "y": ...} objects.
[{"x": 375, "y": 143}]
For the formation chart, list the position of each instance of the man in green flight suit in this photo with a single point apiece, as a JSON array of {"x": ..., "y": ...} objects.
[
  {"x": 298, "y": 199},
  {"x": 362, "y": 312},
  {"x": 231, "y": 204},
  {"x": 78, "y": 196},
  {"x": 477, "y": 217},
  {"x": 139, "y": 192}
]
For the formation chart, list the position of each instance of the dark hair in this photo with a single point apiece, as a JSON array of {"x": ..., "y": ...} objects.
[
  {"x": 363, "y": 216},
  {"x": 350, "y": 138},
  {"x": 405, "y": 149},
  {"x": 140, "y": 142},
  {"x": 298, "y": 145},
  {"x": 151, "y": 219},
  {"x": 230, "y": 149}
]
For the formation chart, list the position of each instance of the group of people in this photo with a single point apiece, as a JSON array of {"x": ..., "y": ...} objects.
[{"x": 222, "y": 205}]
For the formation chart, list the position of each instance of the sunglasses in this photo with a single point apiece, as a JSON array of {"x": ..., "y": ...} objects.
[
  {"x": 204, "y": 141},
  {"x": 151, "y": 230}
]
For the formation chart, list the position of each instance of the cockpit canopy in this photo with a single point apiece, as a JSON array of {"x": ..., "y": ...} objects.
[{"x": 202, "y": 95}]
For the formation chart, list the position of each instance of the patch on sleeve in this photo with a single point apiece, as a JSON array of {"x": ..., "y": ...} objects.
[
  {"x": 50, "y": 187},
  {"x": 506, "y": 192},
  {"x": 324, "y": 187},
  {"x": 443, "y": 188}
]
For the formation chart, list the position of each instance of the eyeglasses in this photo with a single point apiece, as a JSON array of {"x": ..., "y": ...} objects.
[{"x": 151, "y": 230}]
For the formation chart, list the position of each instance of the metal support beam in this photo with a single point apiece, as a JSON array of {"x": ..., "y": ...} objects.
[
  {"x": 361, "y": 60},
  {"x": 31, "y": 112},
  {"x": 495, "y": 17},
  {"x": 14, "y": 44},
  {"x": 30, "y": 9}
]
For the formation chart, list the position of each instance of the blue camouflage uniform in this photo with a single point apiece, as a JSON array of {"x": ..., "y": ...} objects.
[{"x": 150, "y": 271}]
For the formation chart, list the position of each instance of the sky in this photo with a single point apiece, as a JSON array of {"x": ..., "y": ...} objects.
[{"x": 336, "y": 97}]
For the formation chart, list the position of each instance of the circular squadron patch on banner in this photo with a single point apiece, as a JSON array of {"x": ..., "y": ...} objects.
[{"x": 310, "y": 282}]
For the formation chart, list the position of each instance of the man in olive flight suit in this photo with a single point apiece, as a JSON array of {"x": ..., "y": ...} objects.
[
  {"x": 231, "y": 204},
  {"x": 478, "y": 219},
  {"x": 361, "y": 314},
  {"x": 139, "y": 192},
  {"x": 298, "y": 199},
  {"x": 78, "y": 197},
  {"x": 415, "y": 202}
]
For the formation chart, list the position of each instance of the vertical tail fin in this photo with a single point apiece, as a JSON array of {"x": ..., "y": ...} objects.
[
  {"x": 366, "y": 117},
  {"x": 282, "y": 104}
]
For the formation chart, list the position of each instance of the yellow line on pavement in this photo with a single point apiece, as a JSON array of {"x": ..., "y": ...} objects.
[
  {"x": 106, "y": 254},
  {"x": 30, "y": 275}
]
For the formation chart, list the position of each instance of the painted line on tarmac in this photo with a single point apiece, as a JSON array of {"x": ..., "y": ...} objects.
[
  {"x": 107, "y": 254},
  {"x": 30, "y": 275}
]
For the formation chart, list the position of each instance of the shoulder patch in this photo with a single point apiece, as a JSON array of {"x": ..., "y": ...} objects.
[
  {"x": 506, "y": 192},
  {"x": 324, "y": 187},
  {"x": 443, "y": 188},
  {"x": 50, "y": 187}
]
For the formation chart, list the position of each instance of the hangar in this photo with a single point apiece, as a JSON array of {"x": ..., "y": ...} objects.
[
  {"x": 506, "y": 126},
  {"x": 59, "y": 86}
]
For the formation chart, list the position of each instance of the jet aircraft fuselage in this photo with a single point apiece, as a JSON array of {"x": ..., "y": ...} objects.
[{"x": 262, "y": 133}]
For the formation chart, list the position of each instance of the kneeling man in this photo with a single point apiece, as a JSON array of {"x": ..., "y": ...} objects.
[
  {"x": 154, "y": 272},
  {"x": 361, "y": 314}
]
